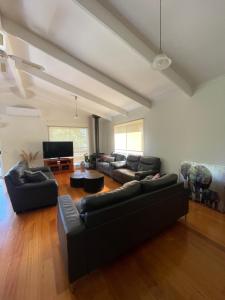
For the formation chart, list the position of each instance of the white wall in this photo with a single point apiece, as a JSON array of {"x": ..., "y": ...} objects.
[
  {"x": 25, "y": 133},
  {"x": 179, "y": 128}
]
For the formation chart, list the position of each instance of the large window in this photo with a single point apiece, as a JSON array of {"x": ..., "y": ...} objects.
[
  {"x": 79, "y": 136},
  {"x": 128, "y": 137}
]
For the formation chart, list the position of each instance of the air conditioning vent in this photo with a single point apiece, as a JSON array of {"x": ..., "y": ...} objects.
[{"x": 23, "y": 111}]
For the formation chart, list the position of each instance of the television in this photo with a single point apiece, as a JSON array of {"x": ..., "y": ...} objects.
[{"x": 57, "y": 149}]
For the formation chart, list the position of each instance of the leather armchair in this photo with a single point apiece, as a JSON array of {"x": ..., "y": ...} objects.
[{"x": 27, "y": 196}]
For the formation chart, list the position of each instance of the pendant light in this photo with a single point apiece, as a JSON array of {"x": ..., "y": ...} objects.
[
  {"x": 76, "y": 111},
  {"x": 161, "y": 61}
]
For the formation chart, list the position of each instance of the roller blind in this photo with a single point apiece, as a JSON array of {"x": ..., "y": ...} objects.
[
  {"x": 128, "y": 137},
  {"x": 79, "y": 137}
]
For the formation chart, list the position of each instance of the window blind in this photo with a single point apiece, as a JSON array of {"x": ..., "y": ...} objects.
[{"x": 128, "y": 137}]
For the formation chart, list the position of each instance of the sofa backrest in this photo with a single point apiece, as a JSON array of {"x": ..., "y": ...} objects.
[
  {"x": 15, "y": 174},
  {"x": 132, "y": 162},
  {"x": 132, "y": 205},
  {"x": 149, "y": 163},
  {"x": 101, "y": 200},
  {"x": 153, "y": 185},
  {"x": 118, "y": 156}
]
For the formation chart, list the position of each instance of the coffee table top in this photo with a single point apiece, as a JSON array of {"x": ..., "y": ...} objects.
[{"x": 87, "y": 174}]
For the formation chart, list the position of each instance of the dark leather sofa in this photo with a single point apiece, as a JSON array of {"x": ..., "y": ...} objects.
[
  {"x": 101, "y": 227},
  {"x": 104, "y": 165},
  {"x": 135, "y": 168},
  {"x": 27, "y": 196}
]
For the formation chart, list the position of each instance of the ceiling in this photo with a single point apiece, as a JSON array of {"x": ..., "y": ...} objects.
[{"x": 192, "y": 36}]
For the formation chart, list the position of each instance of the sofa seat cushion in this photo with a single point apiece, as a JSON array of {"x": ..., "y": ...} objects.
[
  {"x": 102, "y": 164},
  {"x": 132, "y": 162},
  {"x": 123, "y": 175},
  {"x": 37, "y": 176},
  {"x": 126, "y": 172},
  {"x": 101, "y": 200},
  {"x": 153, "y": 185}
]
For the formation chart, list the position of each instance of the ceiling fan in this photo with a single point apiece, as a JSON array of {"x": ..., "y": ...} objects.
[{"x": 4, "y": 57}]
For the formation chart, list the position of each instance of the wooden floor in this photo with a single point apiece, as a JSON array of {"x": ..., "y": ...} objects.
[{"x": 186, "y": 261}]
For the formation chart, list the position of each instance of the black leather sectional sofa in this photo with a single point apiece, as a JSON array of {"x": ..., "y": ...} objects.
[
  {"x": 101, "y": 227},
  {"x": 30, "y": 195},
  {"x": 133, "y": 167}
]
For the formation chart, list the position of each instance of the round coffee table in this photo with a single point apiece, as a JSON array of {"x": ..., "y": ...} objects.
[{"x": 91, "y": 180}]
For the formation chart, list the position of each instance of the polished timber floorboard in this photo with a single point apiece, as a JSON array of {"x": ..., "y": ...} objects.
[{"x": 187, "y": 261}]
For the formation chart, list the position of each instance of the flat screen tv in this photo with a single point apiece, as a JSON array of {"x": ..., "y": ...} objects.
[{"x": 57, "y": 149}]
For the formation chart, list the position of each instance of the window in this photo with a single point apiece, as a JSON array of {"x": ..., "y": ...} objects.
[
  {"x": 79, "y": 136},
  {"x": 128, "y": 137}
]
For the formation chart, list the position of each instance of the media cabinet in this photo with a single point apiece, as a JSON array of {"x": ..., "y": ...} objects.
[{"x": 59, "y": 165}]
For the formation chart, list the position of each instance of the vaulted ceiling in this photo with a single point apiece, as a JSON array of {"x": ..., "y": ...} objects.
[{"x": 108, "y": 57}]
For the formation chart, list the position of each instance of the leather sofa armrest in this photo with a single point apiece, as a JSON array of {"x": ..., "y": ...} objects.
[
  {"x": 71, "y": 231},
  {"x": 69, "y": 215},
  {"x": 118, "y": 164},
  {"x": 142, "y": 174}
]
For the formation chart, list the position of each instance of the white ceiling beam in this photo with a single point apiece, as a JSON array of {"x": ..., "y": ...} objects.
[
  {"x": 68, "y": 87},
  {"x": 53, "y": 99},
  {"x": 59, "y": 54},
  {"x": 15, "y": 72},
  {"x": 104, "y": 16}
]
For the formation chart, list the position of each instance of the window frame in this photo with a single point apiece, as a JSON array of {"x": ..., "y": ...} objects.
[
  {"x": 83, "y": 127},
  {"x": 127, "y": 152}
]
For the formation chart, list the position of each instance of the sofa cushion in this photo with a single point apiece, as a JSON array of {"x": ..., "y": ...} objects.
[
  {"x": 101, "y": 200},
  {"x": 153, "y": 185},
  {"x": 132, "y": 162},
  {"x": 149, "y": 163},
  {"x": 118, "y": 156},
  {"x": 126, "y": 172},
  {"x": 37, "y": 176}
]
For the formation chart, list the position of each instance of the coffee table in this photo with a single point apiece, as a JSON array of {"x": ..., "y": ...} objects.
[{"x": 91, "y": 180}]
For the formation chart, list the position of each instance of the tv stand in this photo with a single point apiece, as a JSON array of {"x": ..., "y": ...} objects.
[{"x": 60, "y": 165}]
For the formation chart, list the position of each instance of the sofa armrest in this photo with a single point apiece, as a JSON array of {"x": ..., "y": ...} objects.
[
  {"x": 118, "y": 164},
  {"x": 142, "y": 174},
  {"x": 42, "y": 169},
  {"x": 71, "y": 231},
  {"x": 69, "y": 215}
]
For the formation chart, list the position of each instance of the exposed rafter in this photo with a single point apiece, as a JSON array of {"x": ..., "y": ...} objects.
[
  {"x": 104, "y": 16},
  {"x": 56, "y": 100},
  {"x": 59, "y": 54},
  {"x": 68, "y": 87},
  {"x": 16, "y": 73}
]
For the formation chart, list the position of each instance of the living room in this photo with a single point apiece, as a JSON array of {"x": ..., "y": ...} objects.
[{"x": 134, "y": 93}]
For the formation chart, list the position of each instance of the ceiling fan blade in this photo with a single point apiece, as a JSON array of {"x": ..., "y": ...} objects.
[
  {"x": 1, "y": 39},
  {"x": 3, "y": 67},
  {"x": 20, "y": 60}
]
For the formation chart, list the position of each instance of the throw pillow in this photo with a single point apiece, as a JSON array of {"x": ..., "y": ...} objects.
[
  {"x": 37, "y": 176},
  {"x": 156, "y": 176}
]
